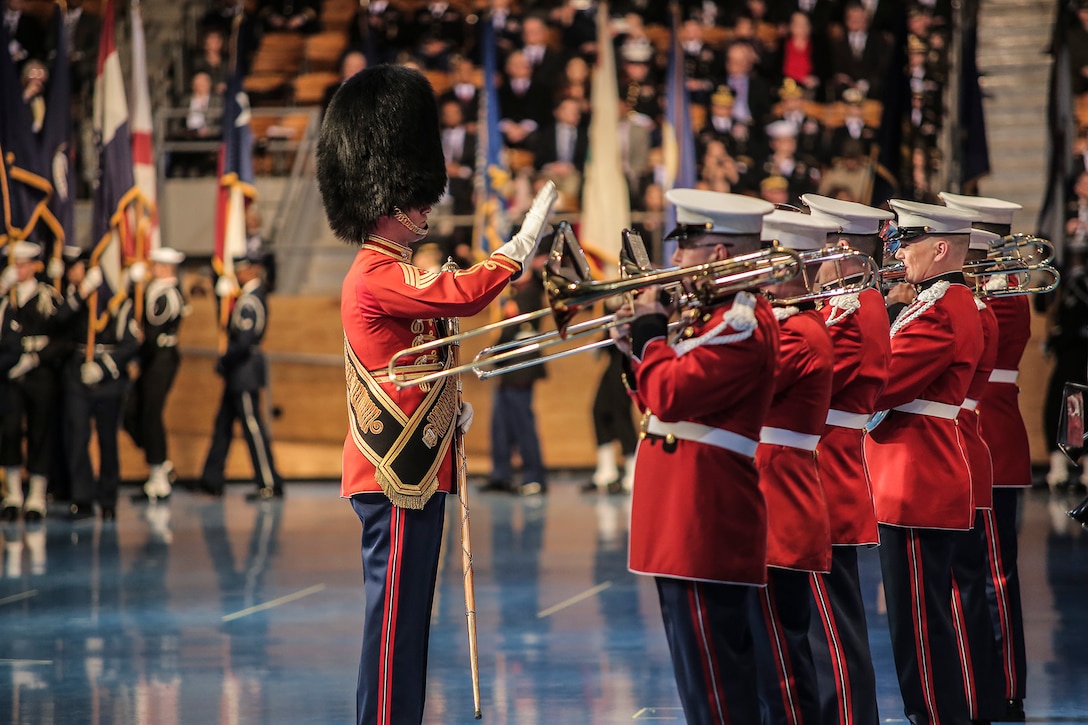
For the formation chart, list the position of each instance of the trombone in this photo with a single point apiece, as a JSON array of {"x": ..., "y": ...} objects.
[
  {"x": 842, "y": 283},
  {"x": 986, "y": 277},
  {"x": 1023, "y": 248}
]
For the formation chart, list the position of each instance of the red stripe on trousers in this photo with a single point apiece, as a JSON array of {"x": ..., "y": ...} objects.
[
  {"x": 963, "y": 644},
  {"x": 921, "y": 634},
  {"x": 709, "y": 660},
  {"x": 1001, "y": 593},
  {"x": 837, "y": 654},
  {"x": 389, "y": 617},
  {"x": 780, "y": 652}
]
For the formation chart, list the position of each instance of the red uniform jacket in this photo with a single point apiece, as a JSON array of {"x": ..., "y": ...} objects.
[
  {"x": 1002, "y": 425},
  {"x": 859, "y": 338},
  {"x": 387, "y": 305},
  {"x": 696, "y": 509},
  {"x": 798, "y": 527},
  {"x": 918, "y": 463},
  {"x": 978, "y": 453}
]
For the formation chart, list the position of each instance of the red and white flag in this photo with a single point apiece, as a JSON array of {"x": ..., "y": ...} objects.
[{"x": 143, "y": 157}]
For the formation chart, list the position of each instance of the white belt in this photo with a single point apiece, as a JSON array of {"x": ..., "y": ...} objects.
[
  {"x": 35, "y": 343},
  {"x": 1004, "y": 376},
  {"x": 164, "y": 340},
  {"x": 703, "y": 434},
  {"x": 842, "y": 419},
  {"x": 788, "y": 438},
  {"x": 930, "y": 408},
  {"x": 969, "y": 404}
]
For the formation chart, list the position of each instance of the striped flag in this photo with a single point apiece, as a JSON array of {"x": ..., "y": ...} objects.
[
  {"x": 606, "y": 203},
  {"x": 112, "y": 219},
  {"x": 491, "y": 224},
  {"x": 143, "y": 158},
  {"x": 678, "y": 139}
]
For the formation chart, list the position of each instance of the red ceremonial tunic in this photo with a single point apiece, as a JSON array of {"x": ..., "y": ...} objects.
[
  {"x": 798, "y": 527},
  {"x": 918, "y": 462},
  {"x": 978, "y": 453},
  {"x": 697, "y": 511},
  {"x": 999, "y": 411},
  {"x": 859, "y": 339},
  {"x": 387, "y": 305}
]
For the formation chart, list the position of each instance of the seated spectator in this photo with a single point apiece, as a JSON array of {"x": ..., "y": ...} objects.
[
  {"x": 213, "y": 60},
  {"x": 26, "y": 36},
  {"x": 635, "y": 135},
  {"x": 718, "y": 171},
  {"x": 799, "y": 58},
  {"x": 377, "y": 27},
  {"x": 851, "y": 174},
  {"x": 700, "y": 62},
  {"x": 202, "y": 122},
  {"x": 577, "y": 21},
  {"x": 853, "y": 126},
  {"x": 801, "y": 175},
  {"x": 220, "y": 16},
  {"x": 433, "y": 52},
  {"x": 463, "y": 90},
  {"x": 523, "y": 106},
  {"x": 638, "y": 86},
  {"x": 811, "y": 141},
  {"x": 351, "y": 63},
  {"x": 560, "y": 153},
  {"x": 289, "y": 16},
  {"x": 707, "y": 12},
  {"x": 859, "y": 58},
  {"x": 575, "y": 83},
  {"x": 545, "y": 63},
  {"x": 744, "y": 32},
  {"x": 751, "y": 96},
  {"x": 505, "y": 21},
  {"x": 720, "y": 125},
  {"x": 84, "y": 30},
  {"x": 459, "y": 150}
]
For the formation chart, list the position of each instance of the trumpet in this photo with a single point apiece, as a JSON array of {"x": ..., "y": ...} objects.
[{"x": 842, "y": 284}]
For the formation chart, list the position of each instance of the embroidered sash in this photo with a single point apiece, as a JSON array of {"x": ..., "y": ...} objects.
[{"x": 406, "y": 450}]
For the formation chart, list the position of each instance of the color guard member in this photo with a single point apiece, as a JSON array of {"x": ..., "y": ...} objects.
[
  {"x": 798, "y": 525},
  {"x": 698, "y": 518},
  {"x": 921, "y": 478},
  {"x": 1004, "y": 432},
  {"x": 380, "y": 169},
  {"x": 858, "y": 325}
]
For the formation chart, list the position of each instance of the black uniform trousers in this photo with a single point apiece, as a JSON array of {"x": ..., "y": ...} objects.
[
  {"x": 612, "y": 419},
  {"x": 1003, "y": 590},
  {"x": 780, "y": 615},
  {"x": 400, "y": 549},
  {"x": 839, "y": 635},
  {"x": 33, "y": 396},
  {"x": 144, "y": 412},
  {"x": 974, "y": 628},
  {"x": 917, "y": 568},
  {"x": 706, "y": 624},
  {"x": 243, "y": 406},
  {"x": 103, "y": 405}
]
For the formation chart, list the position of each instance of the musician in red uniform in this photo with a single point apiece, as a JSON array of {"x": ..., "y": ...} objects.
[
  {"x": 1004, "y": 432},
  {"x": 698, "y": 518},
  {"x": 798, "y": 527},
  {"x": 916, "y": 457},
  {"x": 380, "y": 169},
  {"x": 858, "y": 325}
]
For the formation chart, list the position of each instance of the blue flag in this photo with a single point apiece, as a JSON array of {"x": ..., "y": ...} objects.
[
  {"x": 678, "y": 137},
  {"x": 491, "y": 227},
  {"x": 57, "y": 149}
]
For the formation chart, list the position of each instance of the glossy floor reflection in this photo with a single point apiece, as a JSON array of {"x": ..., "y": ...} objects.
[{"x": 230, "y": 612}]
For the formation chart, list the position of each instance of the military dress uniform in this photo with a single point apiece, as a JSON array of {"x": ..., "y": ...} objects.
[
  {"x": 698, "y": 517},
  {"x": 921, "y": 476},
  {"x": 858, "y": 325},
  {"x": 244, "y": 371}
]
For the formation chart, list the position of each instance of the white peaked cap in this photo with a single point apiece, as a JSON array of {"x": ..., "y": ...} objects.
[
  {"x": 984, "y": 240},
  {"x": 795, "y": 230},
  {"x": 781, "y": 129},
  {"x": 939, "y": 219},
  {"x": 854, "y": 218},
  {"x": 721, "y": 212},
  {"x": 989, "y": 209},
  {"x": 166, "y": 255},
  {"x": 25, "y": 250}
]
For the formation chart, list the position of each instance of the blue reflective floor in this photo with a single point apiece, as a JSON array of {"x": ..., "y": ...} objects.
[{"x": 231, "y": 612}]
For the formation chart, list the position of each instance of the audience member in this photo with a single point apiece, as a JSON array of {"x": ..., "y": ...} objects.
[
  {"x": 700, "y": 62},
  {"x": 860, "y": 57},
  {"x": 289, "y": 16},
  {"x": 463, "y": 90},
  {"x": 560, "y": 153},
  {"x": 545, "y": 63},
  {"x": 800, "y": 59},
  {"x": 751, "y": 96},
  {"x": 523, "y": 105},
  {"x": 213, "y": 60}
]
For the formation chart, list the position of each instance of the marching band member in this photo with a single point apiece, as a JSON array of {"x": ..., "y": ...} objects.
[
  {"x": 1003, "y": 430},
  {"x": 921, "y": 478},
  {"x": 858, "y": 325},
  {"x": 380, "y": 169},
  {"x": 798, "y": 525},
  {"x": 698, "y": 518}
]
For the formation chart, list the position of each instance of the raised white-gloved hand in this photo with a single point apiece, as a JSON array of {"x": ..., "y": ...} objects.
[
  {"x": 521, "y": 247},
  {"x": 137, "y": 271},
  {"x": 464, "y": 418},
  {"x": 225, "y": 287},
  {"x": 27, "y": 362},
  {"x": 90, "y": 373},
  {"x": 92, "y": 280},
  {"x": 54, "y": 268},
  {"x": 8, "y": 278}
]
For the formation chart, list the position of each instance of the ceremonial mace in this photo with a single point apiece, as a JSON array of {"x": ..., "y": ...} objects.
[{"x": 453, "y": 325}]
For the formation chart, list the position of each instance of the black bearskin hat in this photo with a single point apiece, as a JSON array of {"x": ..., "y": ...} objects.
[{"x": 379, "y": 148}]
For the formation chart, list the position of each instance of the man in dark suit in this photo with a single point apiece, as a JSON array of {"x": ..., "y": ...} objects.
[
  {"x": 523, "y": 105},
  {"x": 547, "y": 64},
  {"x": 459, "y": 150},
  {"x": 751, "y": 96},
  {"x": 561, "y": 149},
  {"x": 859, "y": 59},
  {"x": 441, "y": 21},
  {"x": 26, "y": 35},
  {"x": 83, "y": 31},
  {"x": 463, "y": 91}
]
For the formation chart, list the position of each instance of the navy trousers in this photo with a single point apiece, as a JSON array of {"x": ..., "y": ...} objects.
[
  {"x": 400, "y": 550},
  {"x": 706, "y": 625},
  {"x": 839, "y": 636},
  {"x": 513, "y": 426},
  {"x": 1003, "y": 590}
]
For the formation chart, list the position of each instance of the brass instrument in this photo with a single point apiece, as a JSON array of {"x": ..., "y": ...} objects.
[
  {"x": 1023, "y": 248},
  {"x": 1019, "y": 278},
  {"x": 842, "y": 283}
]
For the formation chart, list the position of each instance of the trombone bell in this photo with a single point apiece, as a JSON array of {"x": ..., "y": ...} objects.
[{"x": 830, "y": 272}]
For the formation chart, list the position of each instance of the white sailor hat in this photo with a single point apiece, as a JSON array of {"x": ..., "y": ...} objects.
[
  {"x": 854, "y": 218},
  {"x": 781, "y": 129},
  {"x": 23, "y": 251},
  {"x": 983, "y": 240},
  {"x": 931, "y": 218},
  {"x": 637, "y": 51},
  {"x": 796, "y": 230},
  {"x": 718, "y": 212},
  {"x": 166, "y": 255},
  {"x": 989, "y": 209},
  {"x": 71, "y": 252}
]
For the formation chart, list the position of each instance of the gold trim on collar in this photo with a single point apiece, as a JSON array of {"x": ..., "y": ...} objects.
[{"x": 387, "y": 246}]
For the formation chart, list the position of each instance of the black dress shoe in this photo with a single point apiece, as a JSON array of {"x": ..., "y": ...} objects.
[
  {"x": 9, "y": 514},
  {"x": 33, "y": 516},
  {"x": 212, "y": 489},
  {"x": 589, "y": 487},
  {"x": 1014, "y": 711},
  {"x": 109, "y": 513},
  {"x": 80, "y": 512},
  {"x": 500, "y": 486}
]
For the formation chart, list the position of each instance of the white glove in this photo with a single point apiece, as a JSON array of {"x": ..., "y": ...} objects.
[
  {"x": 225, "y": 287},
  {"x": 54, "y": 268},
  {"x": 137, "y": 271},
  {"x": 464, "y": 418},
  {"x": 27, "y": 362},
  {"x": 521, "y": 247},
  {"x": 8, "y": 278},
  {"x": 90, "y": 373},
  {"x": 92, "y": 280}
]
